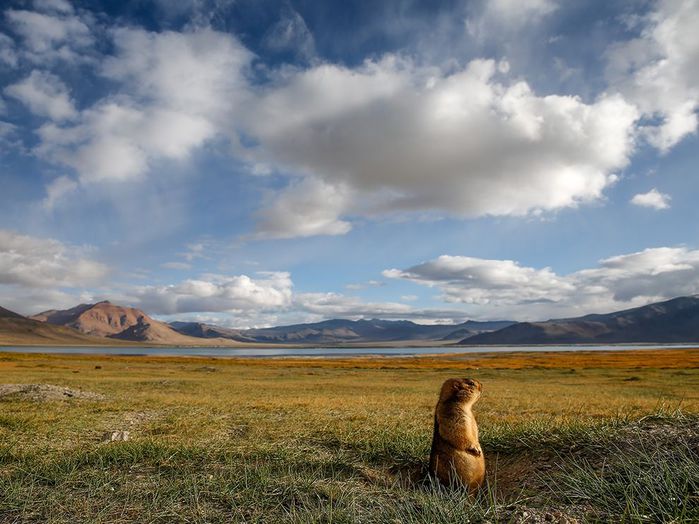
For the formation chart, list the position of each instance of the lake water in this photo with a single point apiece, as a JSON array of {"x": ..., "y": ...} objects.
[{"x": 326, "y": 352}]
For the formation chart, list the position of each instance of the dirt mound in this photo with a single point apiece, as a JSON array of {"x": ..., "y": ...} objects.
[{"x": 44, "y": 393}]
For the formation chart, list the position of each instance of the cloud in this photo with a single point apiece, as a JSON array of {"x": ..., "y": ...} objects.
[
  {"x": 217, "y": 293},
  {"x": 391, "y": 135},
  {"x": 481, "y": 281},
  {"x": 59, "y": 6},
  {"x": 59, "y": 189},
  {"x": 306, "y": 208},
  {"x": 198, "y": 71},
  {"x": 397, "y": 137},
  {"x": 659, "y": 71},
  {"x": 504, "y": 288},
  {"x": 177, "y": 92},
  {"x": 176, "y": 265},
  {"x": 290, "y": 34},
  {"x": 195, "y": 250},
  {"x": 265, "y": 299},
  {"x": 31, "y": 262},
  {"x": 653, "y": 199},
  {"x": 336, "y": 305},
  {"x": 364, "y": 285},
  {"x": 45, "y": 95},
  {"x": 32, "y": 300},
  {"x": 508, "y": 14},
  {"x": 51, "y": 36},
  {"x": 506, "y": 24},
  {"x": 386, "y": 137},
  {"x": 117, "y": 141},
  {"x": 649, "y": 275},
  {"x": 8, "y": 52}
]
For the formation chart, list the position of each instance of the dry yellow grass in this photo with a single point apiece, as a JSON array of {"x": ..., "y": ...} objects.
[
  {"x": 366, "y": 416},
  {"x": 189, "y": 399}
]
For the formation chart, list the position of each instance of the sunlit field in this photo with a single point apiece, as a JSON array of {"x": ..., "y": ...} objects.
[{"x": 587, "y": 436}]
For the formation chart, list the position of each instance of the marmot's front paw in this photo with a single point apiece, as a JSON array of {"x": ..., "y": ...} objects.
[{"x": 474, "y": 451}]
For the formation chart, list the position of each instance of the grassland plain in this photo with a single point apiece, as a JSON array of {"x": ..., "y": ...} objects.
[{"x": 584, "y": 436}]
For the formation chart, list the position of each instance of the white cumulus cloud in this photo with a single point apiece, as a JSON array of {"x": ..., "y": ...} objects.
[
  {"x": 659, "y": 71},
  {"x": 401, "y": 138},
  {"x": 177, "y": 92},
  {"x": 504, "y": 288},
  {"x": 652, "y": 198},
  {"x": 217, "y": 293}
]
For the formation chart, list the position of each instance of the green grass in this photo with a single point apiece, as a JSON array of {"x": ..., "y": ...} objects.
[
  {"x": 648, "y": 477},
  {"x": 636, "y": 479},
  {"x": 308, "y": 441}
]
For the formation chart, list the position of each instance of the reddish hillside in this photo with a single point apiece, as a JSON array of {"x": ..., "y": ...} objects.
[
  {"x": 105, "y": 319},
  {"x": 18, "y": 330}
]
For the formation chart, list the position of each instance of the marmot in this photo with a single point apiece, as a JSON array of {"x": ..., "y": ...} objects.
[{"x": 456, "y": 458}]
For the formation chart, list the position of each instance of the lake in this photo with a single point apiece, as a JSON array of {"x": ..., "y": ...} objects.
[{"x": 325, "y": 352}]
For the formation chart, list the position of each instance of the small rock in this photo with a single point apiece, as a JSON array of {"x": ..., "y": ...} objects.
[{"x": 115, "y": 436}]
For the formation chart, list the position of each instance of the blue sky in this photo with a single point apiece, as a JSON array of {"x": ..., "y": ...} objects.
[{"x": 253, "y": 163}]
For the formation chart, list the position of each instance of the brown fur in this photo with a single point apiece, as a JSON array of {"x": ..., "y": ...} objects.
[{"x": 456, "y": 458}]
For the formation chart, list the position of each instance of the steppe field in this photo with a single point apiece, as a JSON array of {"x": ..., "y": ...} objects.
[{"x": 568, "y": 437}]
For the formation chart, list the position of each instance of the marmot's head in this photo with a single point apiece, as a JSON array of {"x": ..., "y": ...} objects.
[{"x": 460, "y": 390}]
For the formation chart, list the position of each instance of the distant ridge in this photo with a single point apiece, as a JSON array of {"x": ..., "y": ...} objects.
[
  {"x": 342, "y": 331},
  {"x": 675, "y": 320}
]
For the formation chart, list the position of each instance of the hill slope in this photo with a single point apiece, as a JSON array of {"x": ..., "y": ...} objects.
[
  {"x": 675, "y": 320},
  {"x": 105, "y": 319},
  {"x": 18, "y": 330}
]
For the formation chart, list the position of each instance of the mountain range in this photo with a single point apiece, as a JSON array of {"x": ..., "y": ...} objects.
[
  {"x": 108, "y": 320},
  {"x": 675, "y": 320},
  {"x": 339, "y": 331},
  {"x": 18, "y": 330}
]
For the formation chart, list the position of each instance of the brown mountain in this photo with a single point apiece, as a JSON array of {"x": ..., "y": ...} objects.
[
  {"x": 675, "y": 320},
  {"x": 18, "y": 330},
  {"x": 105, "y": 319}
]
